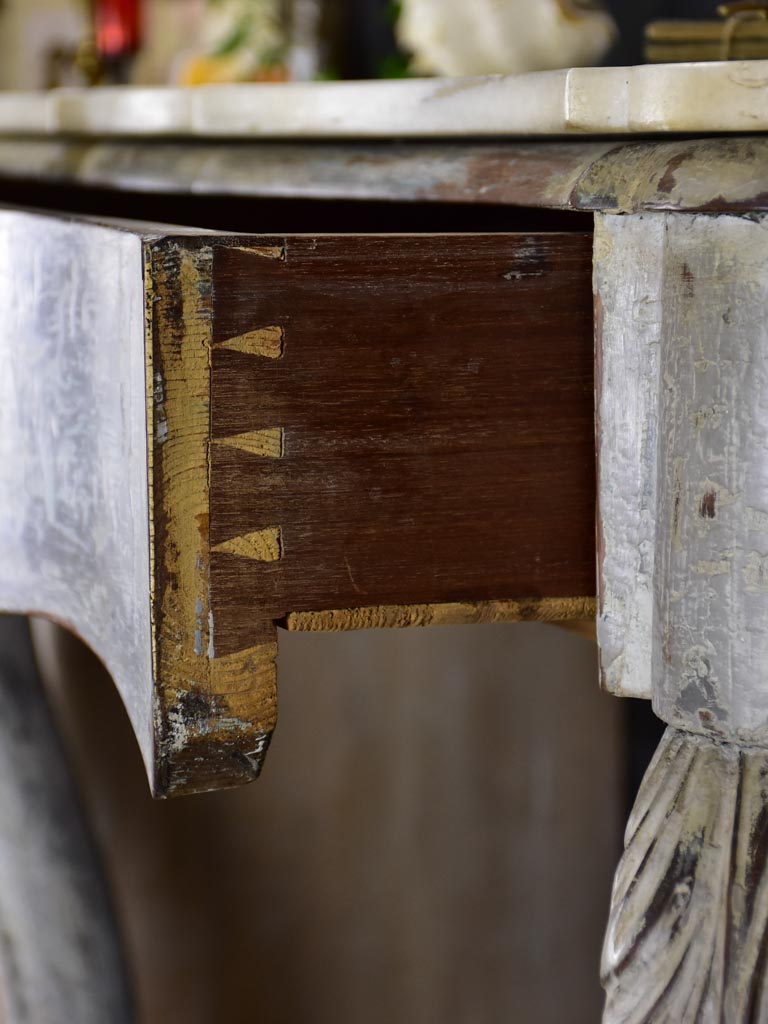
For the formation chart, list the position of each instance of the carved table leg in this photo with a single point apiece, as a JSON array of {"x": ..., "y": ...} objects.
[
  {"x": 59, "y": 954},
  {"x": 683, "y": 619},
  {"x": 689, "y": 922}
]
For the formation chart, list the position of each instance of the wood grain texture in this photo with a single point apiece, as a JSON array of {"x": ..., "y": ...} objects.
[
  {"x": 521, "y": 173},
  {"x": 683, "y": 469},
  {"x": 560, "y": 610},
  {"x": 214, "y": 715},
  {"x": 627, "y": 280},
  {"x": 435, "y": 405}
]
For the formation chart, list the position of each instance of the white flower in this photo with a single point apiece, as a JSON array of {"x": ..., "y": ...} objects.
[{"x": 477, "y": 37}]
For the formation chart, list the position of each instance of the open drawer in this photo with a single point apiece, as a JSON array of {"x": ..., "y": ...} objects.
[{"x": 205, "y": 436}]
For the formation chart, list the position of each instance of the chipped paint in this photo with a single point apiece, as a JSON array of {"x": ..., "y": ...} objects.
[
  {"x": 708, "y": 417},
  {"x": 707, "y": 505},
  {"x": 704, "y": 640},
  {"x": 211, "y": 648},
  {"x": 715, "y": 175},
  {"x": 755, "y": 573},
  {"x": 710, "y": 568},
  {"x": 756, "y": 519},
  {"x": 630, "y": 176}
]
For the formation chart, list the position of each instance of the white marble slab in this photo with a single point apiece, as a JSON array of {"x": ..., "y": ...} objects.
[{"x": 697, "y": 98}]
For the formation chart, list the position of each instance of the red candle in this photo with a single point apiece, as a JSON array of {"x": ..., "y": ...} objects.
[{"x": 118, "y": 27}]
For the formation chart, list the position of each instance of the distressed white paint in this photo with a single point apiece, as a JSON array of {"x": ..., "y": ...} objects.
[
  {"x": 711, "y": 651},
  {"x": 709, "y": 97},
  {"x": 627, "y": 285},
  {"x": 699, "y": 633},
  {"x": 73, "y": 450},
  {"x": 686, "y": 934}
]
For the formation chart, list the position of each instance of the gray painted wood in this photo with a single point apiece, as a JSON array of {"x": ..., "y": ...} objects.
[
  {"x": 718, "y": 174},
  {"x": 686, "y": 936},
  {"x": 60, "y": 959},
  {"x": 683, "y": 447},
  {"x": 683, "y": 470},
  {"x": 627, "y": 285},
  {"x": 73, "y": 451}
]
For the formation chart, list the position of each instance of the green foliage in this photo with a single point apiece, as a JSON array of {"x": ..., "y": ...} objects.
[
  {"x": 395, "y": 65},
  {"x": 237, "y": 38},
  {"x": 329, "y": 73},
  {"x": 393, "y": 11}
]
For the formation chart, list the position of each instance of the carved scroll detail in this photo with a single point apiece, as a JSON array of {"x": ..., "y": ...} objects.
[{"x": 688, "y": 932}]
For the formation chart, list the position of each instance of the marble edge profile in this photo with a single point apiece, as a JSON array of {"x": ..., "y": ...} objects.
[{"x": 661, "y": 98}]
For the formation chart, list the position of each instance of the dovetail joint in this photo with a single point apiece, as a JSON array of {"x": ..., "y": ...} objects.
[
  {"x": 260, "y": 546},
  {"x": 268, "y": 443},
  {"x": 267, "y": 342}
]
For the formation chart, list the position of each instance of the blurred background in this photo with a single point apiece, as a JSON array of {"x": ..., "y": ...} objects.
[
  {"x": 433, "y": 839},
  {"x": 65, "y": 42}
]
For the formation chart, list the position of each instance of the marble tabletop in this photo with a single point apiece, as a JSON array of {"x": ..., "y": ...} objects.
[{"x": 661, "y": 98}]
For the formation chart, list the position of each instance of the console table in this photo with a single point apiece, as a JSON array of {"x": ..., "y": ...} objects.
[{"x": 353, "y": 387}]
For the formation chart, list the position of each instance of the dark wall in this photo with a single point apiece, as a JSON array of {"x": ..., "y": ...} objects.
[
  {"x": 633, "y": 15},
  {"x": 367, "y": 42}
]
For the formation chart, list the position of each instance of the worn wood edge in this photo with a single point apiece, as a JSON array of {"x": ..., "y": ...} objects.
[
  {"x": 627, "y": 265},
  {"x": 694, "y": 174},
  {"x": 709, "y": 175},
  {"x": 531, "y": 174},
  {"x": 213, "y": 717},
  {"x": 395, "y": 616}
]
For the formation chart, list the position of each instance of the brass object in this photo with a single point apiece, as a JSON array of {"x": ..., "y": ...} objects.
[
  {"x": 74, "y": 65},
  {"x": 741, "y": 33}
]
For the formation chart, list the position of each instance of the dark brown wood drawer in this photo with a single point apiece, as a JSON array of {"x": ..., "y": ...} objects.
[
  {"x": 410, "y": 416},
  {"x": 339, "y": 431}
]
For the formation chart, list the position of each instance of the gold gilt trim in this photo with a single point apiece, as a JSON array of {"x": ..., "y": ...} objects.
[{"x": 396, "y": 616}]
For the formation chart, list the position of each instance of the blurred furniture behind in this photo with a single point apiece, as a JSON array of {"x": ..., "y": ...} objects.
[
  {"x": 61, "y": 957},
  {"x": 35, "y": 39},
  {"x": 427, "y": 840}
]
